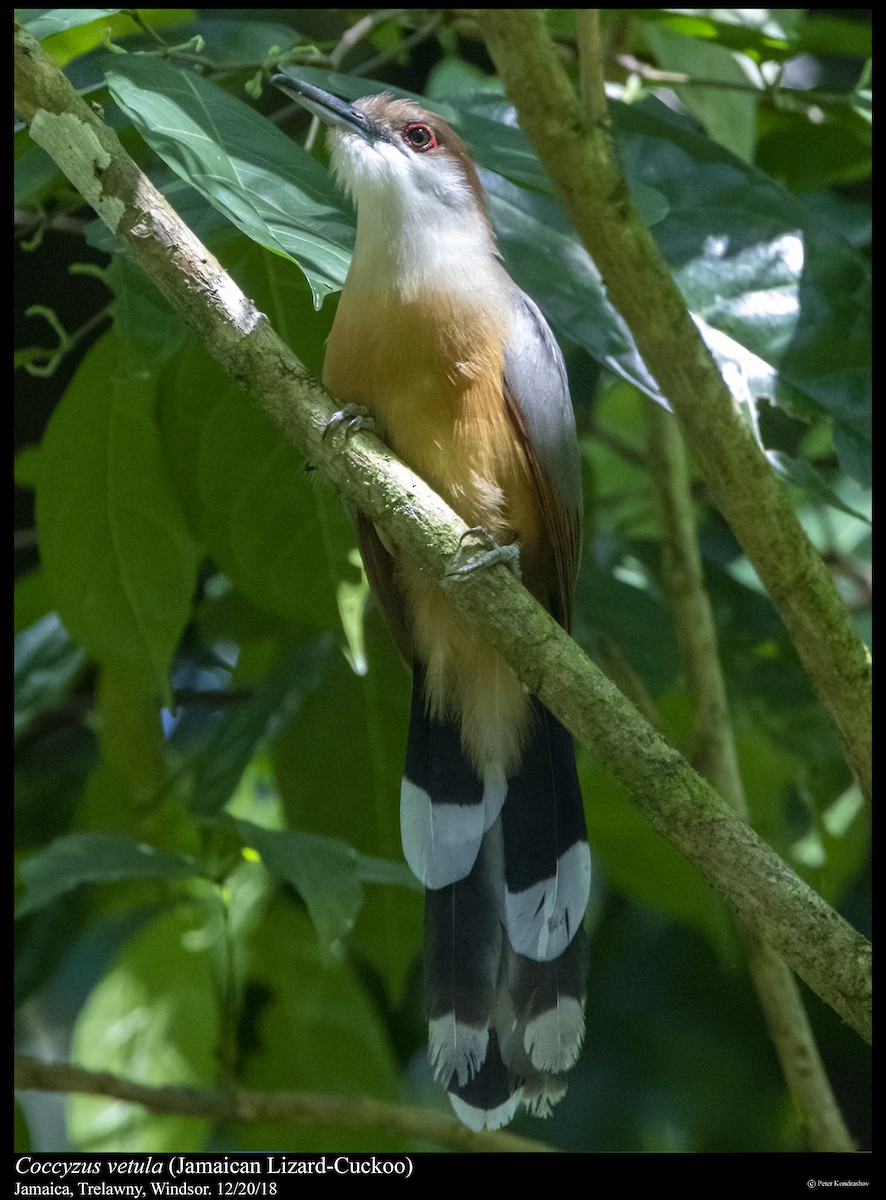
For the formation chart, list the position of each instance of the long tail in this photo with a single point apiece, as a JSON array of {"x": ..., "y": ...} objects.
[{"x": 507, "y": 871}]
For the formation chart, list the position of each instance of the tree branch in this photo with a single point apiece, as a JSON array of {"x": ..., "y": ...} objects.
[
  {"x": 590, "y": 65},
  {"x": 307, "y": 1110},
  {"x": 716, "y": 757},
  {"x": 578, "y": 157},
  {"x": 821, "y": 946}
]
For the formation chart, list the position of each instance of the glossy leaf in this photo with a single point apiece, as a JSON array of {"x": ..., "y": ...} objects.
[
  {"x": 547, "y": 261},
  {"x": 782, "y": 299},
  {"x": 729, "y": 115},
  {"x": 267, "y": 185},
  {"x": 801, "y": 473}
]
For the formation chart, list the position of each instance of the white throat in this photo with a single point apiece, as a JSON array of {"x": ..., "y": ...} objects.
[{"x": 418, "y": 224}]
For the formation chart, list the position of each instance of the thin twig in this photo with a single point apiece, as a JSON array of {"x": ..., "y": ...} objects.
[
  {"x": 43, "y": 360},
  {"x": 359, "y": 30},
  {"x": 808, "y": 97},
  {"x": 409, "y": 43},
  {"x": 350, "y": 38}
]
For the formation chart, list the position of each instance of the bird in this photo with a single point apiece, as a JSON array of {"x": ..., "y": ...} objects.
[{"x": 462, "y": 378}]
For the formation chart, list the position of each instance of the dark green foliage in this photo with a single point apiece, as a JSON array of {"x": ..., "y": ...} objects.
[{"x": 210, "y": 720}]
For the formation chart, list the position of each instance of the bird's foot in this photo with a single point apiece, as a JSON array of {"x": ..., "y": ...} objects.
[
  {"x": 353, "y": 417},
  {"x": 467, "y": 559}
]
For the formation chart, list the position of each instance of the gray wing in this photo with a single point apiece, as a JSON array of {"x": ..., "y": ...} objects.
[{"x": 537, "y": 393}]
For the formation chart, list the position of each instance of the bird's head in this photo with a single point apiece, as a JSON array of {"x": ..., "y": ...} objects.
[{"x": 392, "y": 152}]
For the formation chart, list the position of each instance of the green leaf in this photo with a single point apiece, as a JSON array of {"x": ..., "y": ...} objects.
[
  {"x": 825, "y": 32},
  {"x": 153, "y": 1018},
  {"x": 453, "y": 75},
  {"x": 806, "y": 156},
  {"x": 119, "y": 562},
  {"x": 313, "y": 1028},
  {"x": 761, "y": 32},
  {"x": 31, "y": 600},
  {"x": 35, "y": 172},
  {"x": 546, "y": 259},
  {"x": 241, "y": 732},
  {"x": 77, "y": 858},
  {"x": 801, "y": 473},
  {"x": 41, "y": 22},
  {"x": 45, "y": 663},
  {"x": 21, "y": 1134},
  {"x": 782, "y": 299},
  {"x": 728, "y": 114},
  {"x": 141, "y": 314},
  {"x": 266, "y": 184},
  {"x": 338, "y": 764},
  {"x": 261, "y": 515},
  {"x": 324, "y": 872},
  {"x": 127, "y": 721}
]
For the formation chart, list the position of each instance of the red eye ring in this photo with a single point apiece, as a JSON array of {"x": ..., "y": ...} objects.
[{"x": 419, "y": 137}]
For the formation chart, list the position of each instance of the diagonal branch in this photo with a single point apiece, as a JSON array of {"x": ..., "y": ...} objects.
[
  {"x": 822, "y": 947},
  {"x": 577, "y": 154}
]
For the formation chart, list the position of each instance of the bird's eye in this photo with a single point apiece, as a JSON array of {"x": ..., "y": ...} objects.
[{"x": 420, "y": 137}]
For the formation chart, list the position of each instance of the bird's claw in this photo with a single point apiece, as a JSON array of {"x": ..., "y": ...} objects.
[
  {"x": 353, "y": 417},
  {"x": 489, "y": 554}
]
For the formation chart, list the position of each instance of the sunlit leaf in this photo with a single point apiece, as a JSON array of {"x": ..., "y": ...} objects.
[{"x": 41, "y": 22}]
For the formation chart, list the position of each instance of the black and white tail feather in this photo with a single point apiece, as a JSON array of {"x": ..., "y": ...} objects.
[{"x": 507, "y": 871}]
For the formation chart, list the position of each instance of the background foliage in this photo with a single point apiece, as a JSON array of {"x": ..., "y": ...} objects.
[{"x": 210, "y": 720}]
